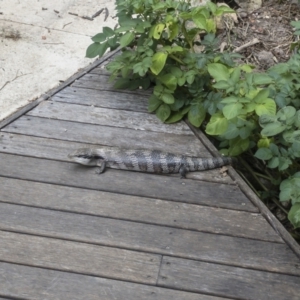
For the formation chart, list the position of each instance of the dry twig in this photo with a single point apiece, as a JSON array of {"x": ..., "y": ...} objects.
[{"x": 251, "y": 43}]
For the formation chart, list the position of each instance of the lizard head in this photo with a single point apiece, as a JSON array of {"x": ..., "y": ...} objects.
[{"x": 85, "y": 156}]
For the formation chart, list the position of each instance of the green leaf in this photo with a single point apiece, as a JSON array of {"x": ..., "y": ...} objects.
[
  {"x": 122, "y": 83},
  {"x": 232, "y": 110},
  {"x": 217, "y": 125},
  {"x": 261, "y": 79},
  {"x": 235, "y": 75},
  {"x": 222, "y": 85},
  {"x": 238, "y": 146},
  {"x": 99, "y": 38},
  {"x": 167, "y": 98},
  {"x": 294, "y": 215},
  {"x": 266, "y": 107},
  {"x": 158, "y": 29},
  {"x": 158, "y": 62},
  {"x": 279, "y": 68},
  {"x": 196, "y": 114},
  {"x": 163, "y": 112},
  {"x": 108, "y": 32},
  {"x": 286, "y": 113},
  {"x": 273, "y": 129},
  {"x": 169, "y": 81},
  {"x": 126, "y": 39},
  {"x": 96, "y": 49},
  {"x": 173, "y": 31},
  {"x": 263, "y": 154},
  {"x": 264, "y": 120},
  {"x": 223, "y": 9},
  {"x": 285, "y": 192},
  {"x": 153, "y": 103},
  {"x": 181, "y": 81},
  {"x": 273, "y": 162},
  {"x": 231, "y": 99},
  {"x": 175, "y": 117},
  {"x": 218, "y": 71},
  {"x": 213, "y": 7},
  {"x": 200, "y": 21},
  {"x": 232, "y": 132},
  {"x": 261, "y": 96},
  {"x": 175, "y": 71},
  {"x": 211, "y": 25},
  {"x": 263, "y": 142}
]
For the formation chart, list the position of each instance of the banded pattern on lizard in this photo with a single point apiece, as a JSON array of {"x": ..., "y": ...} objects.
[{"x": 150, "y": 161}]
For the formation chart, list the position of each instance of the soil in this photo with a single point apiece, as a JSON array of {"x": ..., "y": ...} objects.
[{"x": 270, "y": 25}]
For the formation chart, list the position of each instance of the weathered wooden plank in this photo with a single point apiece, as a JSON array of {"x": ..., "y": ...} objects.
[
  {"x": 99, "y": 76},
  {"x": 102, "y": 84},
  {"x": 125, "y": 182},
  {"x": 132, "y": 208},
  {"x": 275, "y": 257},
  {"x": 58, "y": 150},
  {"x": 25, "y": 282},
  {"x": 227, "y": 281},
  {"x": 107, "y": 117},
  {"x": 108, "y": 136},
  {"x": 100, "y": 71},
  {"x": 79, "y": 257},
  {"x": 108, "y": 99}
]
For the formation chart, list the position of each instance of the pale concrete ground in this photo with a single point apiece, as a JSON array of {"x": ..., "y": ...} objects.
[{"x": 40, "y": 47}]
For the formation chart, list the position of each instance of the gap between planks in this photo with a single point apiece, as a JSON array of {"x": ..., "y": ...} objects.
[
  {"x": 152, "y": 239},
  {"x": 39, "y": 284},
  {"x": 105, "y": 135},
  {"x": 107, "y": 117},
  {"x": 146, "y": 210}
]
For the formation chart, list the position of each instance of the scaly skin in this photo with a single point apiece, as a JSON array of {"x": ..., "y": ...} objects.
[{"x": 150, "y": 161}]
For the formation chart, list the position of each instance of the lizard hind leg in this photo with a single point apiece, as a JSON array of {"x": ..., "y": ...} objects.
[
  {"x": 183, "y": 170},
  {"x": 101, "y": 164}
]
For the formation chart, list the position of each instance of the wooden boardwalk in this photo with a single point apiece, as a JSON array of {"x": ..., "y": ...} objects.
[{"x": 67, "y": 233}]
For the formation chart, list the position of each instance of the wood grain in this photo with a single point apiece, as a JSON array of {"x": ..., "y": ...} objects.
[
  {"x": 248, "y": 253},
  {"x": 108, "y": 99},
  {"x": 59, "y": 150},
  {"x": 23, "y": 282},
  {"x": 107, "y": 117},
  {"x": 101, "y": 84},
  {"x": 107, "y": 136},
  {"x": 138, "y": 209},
  {"x": 227, "y": 281},
  {"x": 100, "y": 71},
  {"x": 124, "y": 182},
  {"x": 79, "y": 257}
]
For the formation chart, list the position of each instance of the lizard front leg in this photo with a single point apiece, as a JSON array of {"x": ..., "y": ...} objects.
[{"x": 101, "y": 164}]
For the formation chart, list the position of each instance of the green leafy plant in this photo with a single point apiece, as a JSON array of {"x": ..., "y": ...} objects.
[
  {"x": 159, "y": 41},
  {"x": 171, "y": 47}
]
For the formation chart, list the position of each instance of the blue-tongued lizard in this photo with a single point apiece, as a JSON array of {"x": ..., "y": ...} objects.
[{"x": 150, "y": 161}]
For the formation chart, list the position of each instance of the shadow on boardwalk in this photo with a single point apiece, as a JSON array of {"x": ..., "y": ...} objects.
[{"x": 67, "y": 233}]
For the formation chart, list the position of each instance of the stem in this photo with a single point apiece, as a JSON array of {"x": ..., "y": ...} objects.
[
  {"x": 253, "y": 174},
  {"x": 177, "y": 59},
  {"x": 262, "y": 176},
  {"x": 276, "y": 202},
  {"x": 248, "y": 182},
  {"x": 186, "y": 36},
  {"x": 280, "y": 206}
]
